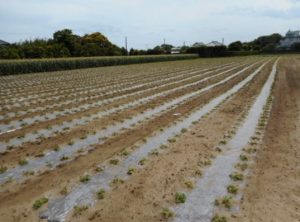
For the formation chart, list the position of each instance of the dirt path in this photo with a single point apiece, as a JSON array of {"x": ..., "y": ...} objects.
[{"x": 273, "y": 190}]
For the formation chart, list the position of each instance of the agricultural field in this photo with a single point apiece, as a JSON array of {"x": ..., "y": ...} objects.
[{"x": 186, "y": 141}]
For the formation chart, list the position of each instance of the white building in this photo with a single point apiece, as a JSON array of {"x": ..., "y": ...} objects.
[
  {"x": 175, "y": 50},
  {"x": 290, "y": 38}
]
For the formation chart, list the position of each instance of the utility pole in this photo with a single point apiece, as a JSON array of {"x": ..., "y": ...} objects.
[
  {"x": 126, "y": 45},
  {"x": 164, "y": 41}
]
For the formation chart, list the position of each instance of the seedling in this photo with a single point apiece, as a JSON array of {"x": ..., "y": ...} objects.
[
  {"x": 40, "y": 202},
  {"x": 130, "y": 171},
  {"x": 79, "y": 209},
  {"x": 117, "y": 180},
  {"x": 183, "y": 130},
  {"x": 64, "y": 158},
  {"x": 236, "y": 176},
  {"x": 180, "y": 197},
  {"x": 189, "y": 184},
  {"x": 70, "y": 143},
  {"x": 23, "y": 162},
  {"x": 154, "y": 152},
  {"x": 3, "y": 169},
  {"x": 100, "y": 194},
  {"x": 243, "y": 158},
  {"x": 172, "y": 140},
  {"x": 64, "y": 191},
  {"x": 232, "y": 189},
  {"x": 167, "y": 213},
  {"x": 98, "y": 169},
  {"x": 142, "y": 161},
  {"x": 125, "y": 153},
  {"x": 218, "y": 218},
  {"x": 85, "y": 178},
  {"x": 227, "y": 202},
  {"x": 114, "y": 161}
]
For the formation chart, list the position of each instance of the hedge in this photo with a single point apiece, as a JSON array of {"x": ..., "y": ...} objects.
[{"x": 9, "y": 67}]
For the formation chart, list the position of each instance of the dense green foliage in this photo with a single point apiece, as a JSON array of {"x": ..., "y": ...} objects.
[
  {"x": 63, "y": 44},
  {"x": 44, "y": 65},
  {"x": 267, "y": 43}
]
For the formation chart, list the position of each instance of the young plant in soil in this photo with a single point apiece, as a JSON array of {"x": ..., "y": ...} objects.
[
  {"x": 3, "y": 169},
  {"x": 100, "y": 194},
  {"x": 40, "y": 202},
  {"x": 218, "y": 218},
  {"x": 232, "y": 189},
  {"x": 167, "y": 213},
  {"x": 79, "y": 209},
  {"x": 180, "y": 197},
  {"x": 85, "y": 178},
  {"x": 236, "y": 176},
  {"x": 23, "y": 162},
  {"x": 114, "y": 161}
]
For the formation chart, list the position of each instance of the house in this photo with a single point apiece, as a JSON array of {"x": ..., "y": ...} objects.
[
  {"x": 290, "y": 38},
  {"x": 3, "y": 43},
  {"x": 214, "y": 43},
  {"x": 198, "y": 44},
  {"x": 175, "y": 50}
]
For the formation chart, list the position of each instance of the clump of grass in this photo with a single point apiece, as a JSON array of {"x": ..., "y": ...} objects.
[
  {"x": 40, "y": 202},
  {"x": 172, "y": 140},
  {"x": 236, "y": 176},
  {"x": 130, "y": 171},
  {"x": 85, "y": 178},
  {"x": 125, "y": 153},
  {"x": 180, "y": 197},
  {"x": 243, "y": 158},
  {"x": 167, "y": 213},
  {"x": 83, "y": 137},
  {"x": 232, "y": 189},
  {"x": 223, "y": 142},
  {"x": 23, "y": 162},
  {"x": 241, "y": 166},
  {"x": 117, "y": 180},
  {"x": 28, "y": 173},
  {"x": 183, "y": 130},
  {"x": 3, "y": 169},
  {"x": 70, "y": 143},
  {"x": 198, "y": 172},
  {"x": 227, "y": 202},
  {"x": 189, "y": 184},
  {"x": 100, "y": 194},
  {"x": 98, "y": 169},
  {"x": 64, "y": 158},
  {"x": 56, "y": 148},
  {"x": 114, "y": 161},
  {"x": 142, "y": 161},
  {"x": 163, "y": 146},
  {"x": 218, "y": 218},
  {"x": 154, "y": 152},
  {"x": 79, "y": 209},
  {"x": 64, "y": 191}
]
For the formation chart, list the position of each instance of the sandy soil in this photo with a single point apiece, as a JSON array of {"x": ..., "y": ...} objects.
[
  {"x": 16, "y": 202},
  {"x": 147, "y": 192},
  {"x": 273, "y": 190}
]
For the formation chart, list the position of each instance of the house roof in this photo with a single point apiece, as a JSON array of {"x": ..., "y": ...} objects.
[
  {"x": 214, "y": 43},
  {"x": 3, "y": 42}
]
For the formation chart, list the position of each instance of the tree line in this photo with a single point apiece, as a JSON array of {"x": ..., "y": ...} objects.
[{"x": 65, "y": 43}]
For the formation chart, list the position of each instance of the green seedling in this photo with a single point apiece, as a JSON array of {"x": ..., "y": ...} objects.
[
  {"x": 40, "y": 202},
  {"x": 180, "y": 197}
]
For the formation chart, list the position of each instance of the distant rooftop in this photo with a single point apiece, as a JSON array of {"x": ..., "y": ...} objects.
[{"x": 3, "y": 42}]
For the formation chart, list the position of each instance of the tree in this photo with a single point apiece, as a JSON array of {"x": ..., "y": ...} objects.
[{"x": 235, "y": 46}]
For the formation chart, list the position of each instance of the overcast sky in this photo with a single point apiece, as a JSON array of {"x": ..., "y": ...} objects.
[{"x": 148, "y": 22}]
